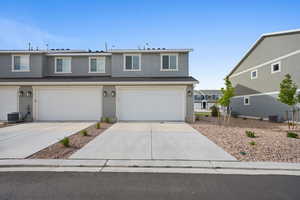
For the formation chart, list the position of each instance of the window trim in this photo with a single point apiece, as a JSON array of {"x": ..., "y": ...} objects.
[
  {"x": 272, "y": 69},
  {"x": 13, "y": 63},
  {"x": 97, "y": 57},
  {"x": 252, "y": 77},
  {"x": 124, "y": 63},
  {"x": 246, "y": 97},
  {"x": 55, "y": 65},
  {"x": 161, "y": 62}
]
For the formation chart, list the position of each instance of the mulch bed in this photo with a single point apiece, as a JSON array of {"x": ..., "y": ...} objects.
[
  {"x": 272, "y": 143},
  {"x": 77, "y": 141}
]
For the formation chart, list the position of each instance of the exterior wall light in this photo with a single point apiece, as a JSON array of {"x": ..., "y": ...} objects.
[
  {"x": 21, "y": 93},
  {"x": 189, "y": 93},
  {"x": 113, "y": 93},
  {"x": 29, "y": 94},
  {"x": 105, "y": 93}
]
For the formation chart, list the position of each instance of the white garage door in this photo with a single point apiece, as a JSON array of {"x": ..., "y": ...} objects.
[
  {"x": 68, "y": 103},
  {"x": 151, "y": 103},
  {"x": 8, "y": 101}
]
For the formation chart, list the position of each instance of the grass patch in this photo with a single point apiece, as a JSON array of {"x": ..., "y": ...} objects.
[
  {"x": 252, "y": 143},
  {"x": 84, "y": 133},
  {"x": 292, "y": 135},
  {"x": 250, "y": 134},
  {"x": 65, "y": 141}
]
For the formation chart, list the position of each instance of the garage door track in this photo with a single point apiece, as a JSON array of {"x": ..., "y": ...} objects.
[{"x": 176, "y": 141}]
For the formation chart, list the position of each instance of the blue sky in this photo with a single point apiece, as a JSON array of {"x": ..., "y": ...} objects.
[{"x": 220, "y": 32}]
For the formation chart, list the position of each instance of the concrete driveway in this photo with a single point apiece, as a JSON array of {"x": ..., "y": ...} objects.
[
  {"x": 177, "y": 141},
  {"x": 23, "y": 140}
]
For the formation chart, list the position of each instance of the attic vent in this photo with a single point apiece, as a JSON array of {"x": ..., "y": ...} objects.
[
  {"x": 163, "y": 48},
  {"x": 153, "y": 48},
  {"x": 67, "y": 49},
  {"x": 148, "y": 48}
]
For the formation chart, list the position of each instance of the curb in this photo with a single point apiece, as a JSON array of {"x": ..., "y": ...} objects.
[{"x": 151, "y": 166}]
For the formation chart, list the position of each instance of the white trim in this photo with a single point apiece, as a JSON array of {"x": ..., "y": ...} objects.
[
  {"x": 267, "y": 63},
  {"x": 97, "y": 57},
  {"x": 13, "y": 62},
  {"x": 55, "y": 65},
  {"x": 246, "y": 97},
  {"x": 124, "y": 63},
  {"x": 272, "y": 67},
  {"x": 252, "y": 77},
  {"x": 161, "y": 62},
  {"x": 260, "y": 94},
  {"x": 78, "y": 54},
  {"x": 102, "y": 83},
  {"x": 149, "y": 50}
]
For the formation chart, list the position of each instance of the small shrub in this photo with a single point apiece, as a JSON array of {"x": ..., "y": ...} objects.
[
  {"x": 292, "y": 135},
  {"x": 252, "y": 143},
  {"x": 65, "y": 141},
  {"x": 98, "y": 125},
  {"x": 84, "y": 133},
  {"x": 250, "y": 134},
  {"x": 214, "y": 111},
  {"x": 106, "y": 119},
  {"x": 243, "y": 153}
]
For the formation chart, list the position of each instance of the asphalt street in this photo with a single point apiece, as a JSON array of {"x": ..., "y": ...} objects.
[{"x": 143, "y": 186}]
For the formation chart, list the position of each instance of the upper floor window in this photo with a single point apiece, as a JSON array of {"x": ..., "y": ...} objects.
[
  {"x": 20, "y": 63},
  {"x": 169, "y": 62},
  {"x": 63, "y": 65},
  {"x": 246, "y": 101},
  {"x": 254, "y": 74},
  {"x": 132, "y": 62},
  {"x": 276, "y": 67},
  {"x": 96, "y": 64}
]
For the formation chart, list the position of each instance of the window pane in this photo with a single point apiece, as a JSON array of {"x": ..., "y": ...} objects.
[
  {"x": 173, "y": 62},
  {"x": 59, "y": 65},
  {"x": 24, "y": 63},
  {"x": 128, "y": 60},
  {"x": 66, "y": 65},
  {"x": 17, "y": 62},
  {"x": 101, "y": 65},
  {"x": 165, "y": 62},
  {"x": 93, "y": 65},
  {"x": 276, "y": 67},
  {"x": 135, "y": 62}
]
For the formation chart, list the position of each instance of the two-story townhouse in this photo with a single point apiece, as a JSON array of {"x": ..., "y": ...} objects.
[
  {"x": 125, "y": 84},
  {"x": 258, "y": 75},
  {"x": 205, "y": 99}
]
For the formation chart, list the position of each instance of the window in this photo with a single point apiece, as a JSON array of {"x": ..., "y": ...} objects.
[
  {"x": 96, "y": 64},
  {"x": 246, "y": 101},
  {"x": 63, "y": 65},
  {"x": 254, "y": 74},
  {"x": 20, "y": 63},
  {"x": 132, "y": 62},
  {"x": 276, "y": 67},
  {"x": 169, "y": 62}
]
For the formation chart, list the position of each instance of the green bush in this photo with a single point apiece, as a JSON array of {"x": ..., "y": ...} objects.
[
  {"x": 252, "y": 143},
  {"x": 98, "y": 125},
  {"x": 65, "y": 141},
  {"x": 292, "y": 135},
  {"x": 214, "y": 111},
  {"x": 84, "y": 133},
  {"x": 250, "y": 134}
]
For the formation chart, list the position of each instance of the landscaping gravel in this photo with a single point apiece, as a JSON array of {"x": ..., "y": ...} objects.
[{"x": 271, "y": 143}]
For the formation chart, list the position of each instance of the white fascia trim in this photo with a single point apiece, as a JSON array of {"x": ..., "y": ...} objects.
[
  {"x": 260, "y": 94},
  {"x": 149, "y": 51},
  {"x": 266, "y": 63},
  {"x": 102, "y": 83},
  {"x": 161, "y": 62},
  {"x": 281, "y": 32},
  {"x": 78, "y": 54}
]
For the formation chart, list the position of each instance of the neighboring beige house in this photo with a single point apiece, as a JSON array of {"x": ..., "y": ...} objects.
[{"x": 258, "y": 74}]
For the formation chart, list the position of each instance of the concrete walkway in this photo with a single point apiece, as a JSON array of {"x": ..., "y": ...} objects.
[
  {"x": 174, "y": 141},
  {"x": 23, "y": 140}
]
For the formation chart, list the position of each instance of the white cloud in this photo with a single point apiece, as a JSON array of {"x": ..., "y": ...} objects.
[{"x": 16, "y": 35}]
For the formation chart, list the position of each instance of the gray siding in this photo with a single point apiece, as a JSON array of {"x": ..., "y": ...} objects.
[
  {"x": 271, "y": 48},
  {"x": 261, "y": 106},
  {"x": 150, "y": 66},
  {"x": 190, "y": 105},
  {"x": 26, "y": 103},
  {"x": 79, "y": 67},
  {"x": 36, "y": 69},
  {"x": 109, "y": 102},
  {"x": 266, "y": 81}
]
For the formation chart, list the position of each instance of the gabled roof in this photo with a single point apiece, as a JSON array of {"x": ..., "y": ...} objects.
[{"x": 260, "y": 39}]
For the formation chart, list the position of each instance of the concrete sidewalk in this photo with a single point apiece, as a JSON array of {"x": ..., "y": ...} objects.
[
  {"x": 176, "y": 141},
  {"x": 151, "y": 166}
]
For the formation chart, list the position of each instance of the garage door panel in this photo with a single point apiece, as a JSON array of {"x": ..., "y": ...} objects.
[
  {"x": 69, "y": 104},
  {"x": 8, "y": 101},
  {"x": 151, "y": 103}
]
